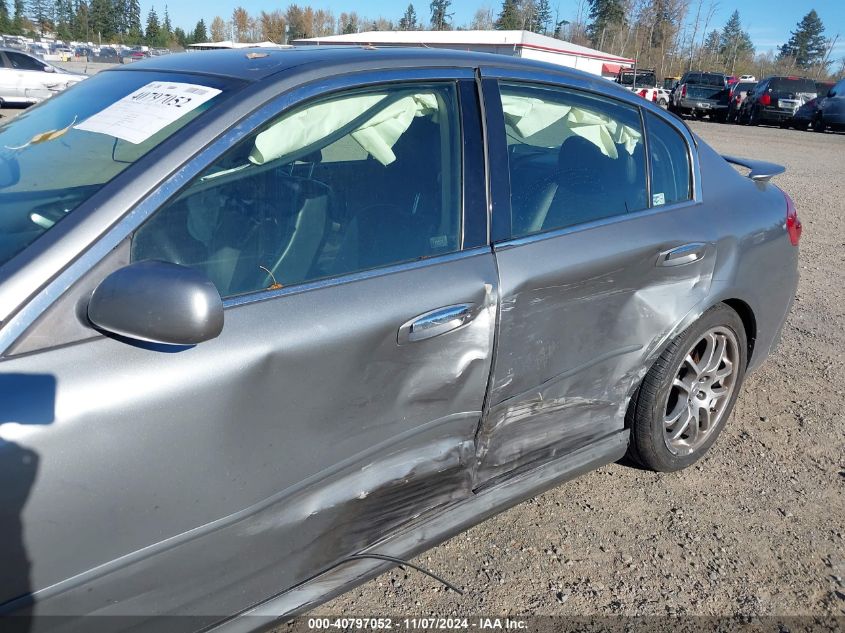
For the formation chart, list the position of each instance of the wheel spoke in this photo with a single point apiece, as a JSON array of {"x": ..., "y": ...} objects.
[
  {"x": 688, "y": 359},
  {"x": 672, "y": 418},
  {"x": 692, "y": 431},
  {"x": 725, "y": 371},
  {"x": 680, "y": 384},
  {"x": 712, "y": 355},
  {"x": 685, "y": 418},
  {"x": 704, "y": 419}
]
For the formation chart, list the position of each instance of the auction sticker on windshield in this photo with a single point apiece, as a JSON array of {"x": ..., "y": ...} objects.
[{"x": 151, "y": 108}]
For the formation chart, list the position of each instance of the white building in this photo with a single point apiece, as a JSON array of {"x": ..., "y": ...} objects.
[
  {"x": 515, "y": 43},
  {"x": 215, "y": 46}
]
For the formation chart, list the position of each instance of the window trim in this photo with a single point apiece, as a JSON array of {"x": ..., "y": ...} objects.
[
  {"x": 597, "y": 87},
  {"x": 690, "y": 188}
]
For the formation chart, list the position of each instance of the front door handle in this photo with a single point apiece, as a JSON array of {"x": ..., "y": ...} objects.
[
  {"x": 435, "y": 323},
  {"x": 682, "y": 254}
]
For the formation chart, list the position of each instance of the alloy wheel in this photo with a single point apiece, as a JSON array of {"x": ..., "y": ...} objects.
[{"x": 701, "y": 390}]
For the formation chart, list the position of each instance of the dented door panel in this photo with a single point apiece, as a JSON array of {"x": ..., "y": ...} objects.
[
  {"x": 301, "y": 435},
  {"x": 581, "y": 312}
]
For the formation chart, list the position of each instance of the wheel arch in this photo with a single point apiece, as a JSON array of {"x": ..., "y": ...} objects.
[{"x": 749, "y": 322}]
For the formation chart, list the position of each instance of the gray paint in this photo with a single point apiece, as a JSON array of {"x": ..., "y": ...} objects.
[{"x": 204, "y": 480}]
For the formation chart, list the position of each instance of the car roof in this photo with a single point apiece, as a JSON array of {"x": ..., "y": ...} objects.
[{"x": 254, "y": 64}]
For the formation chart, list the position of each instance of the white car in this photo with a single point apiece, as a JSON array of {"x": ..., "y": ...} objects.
[
  {"x": 748, "y": 78},
  {"x": 24, "y": 79}
]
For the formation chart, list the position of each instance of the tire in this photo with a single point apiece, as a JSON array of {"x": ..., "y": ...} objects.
[
  {"x": 753, "y": 117},
  {"x": 818, "y": 124},
  {"x": 706, "y": 406}
]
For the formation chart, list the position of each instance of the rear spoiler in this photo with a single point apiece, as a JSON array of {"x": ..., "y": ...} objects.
[{"x": 761, "y": 171}]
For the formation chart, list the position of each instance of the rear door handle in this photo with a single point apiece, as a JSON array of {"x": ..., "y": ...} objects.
[
  {"x": 435, "y": 323},
  {"x": 682, "y": 254}
]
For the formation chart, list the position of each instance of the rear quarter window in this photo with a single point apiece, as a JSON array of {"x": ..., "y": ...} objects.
[{"x": 670, "y": 163}]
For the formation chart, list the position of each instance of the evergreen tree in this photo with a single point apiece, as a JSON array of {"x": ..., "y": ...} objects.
[
  {"x": 542, "y": 17},
  {"x": 607, "y": 16},
  {"x": 408, "y": 22},
  {"x": 63, "y": 16},
  {"x": 807, "y": 44},
  {"x": 508, "y": 19},
  {"x": 152, "y": 33},
  {"x": 440, "y": 15},
  {"x": 200, "y": 33},
  {"x": 102, "y": 20},
  {"x": 182, "y": 38},
  {"x": 17, "y": 21},
  {"x": 134, "y": 30},
  {"x": 734, "y": 43},
  {"x": 5, "y": 22},
  {"x": 41, "y": 15},
  {"x": 166, "y": 26},
  {"x": 119, "y": 18},
  {"x": 81, "y": 26}
]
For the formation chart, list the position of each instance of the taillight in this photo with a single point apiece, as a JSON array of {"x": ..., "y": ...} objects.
[
  {"x": 684, "y": 90},
  {"x": 766, "y": 99},
  {"x": 737, "y": 98},
  {"x": 654, "y": 96},
  {"x": 642, "y": 93},
  {"x": 793, "y": 224}
]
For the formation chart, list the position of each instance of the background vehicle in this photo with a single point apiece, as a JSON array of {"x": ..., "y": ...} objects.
[
  {"x": 831, "y": 109},
  {"x": 748, "y": 78},
  {"x": 776, "y": 100},
  {"x": 258, "y": 357},
  {"x": 25, "y": 79},
  {"x": 738, "y": 94},
  {"x": 641, "y": 81},
  {"x": 697, "y": 93},
  {"x": 104, "y": 55}
]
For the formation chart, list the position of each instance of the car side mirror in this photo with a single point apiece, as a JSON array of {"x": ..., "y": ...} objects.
[
  {"x": 157, "y": 302},
  {"x": 10, "y": 171}
]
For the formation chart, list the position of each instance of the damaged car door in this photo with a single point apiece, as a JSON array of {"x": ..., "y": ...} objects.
[
  {"x": 601, "y": 251},
  {"x": 340, "y": 400}
]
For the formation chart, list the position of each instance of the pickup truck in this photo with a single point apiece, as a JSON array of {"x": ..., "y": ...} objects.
[
  {"x": 697, "y": 94},
  {"x": 642, "y": 82}
]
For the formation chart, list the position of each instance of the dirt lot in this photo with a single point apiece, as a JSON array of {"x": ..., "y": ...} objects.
[{"x": 756, "y": 528}]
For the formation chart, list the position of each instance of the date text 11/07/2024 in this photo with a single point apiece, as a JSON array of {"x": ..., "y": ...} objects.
[{"x": 429, "y": 623}]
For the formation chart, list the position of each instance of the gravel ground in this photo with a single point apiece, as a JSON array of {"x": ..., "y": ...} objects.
[{"x": 757, "y": 528}]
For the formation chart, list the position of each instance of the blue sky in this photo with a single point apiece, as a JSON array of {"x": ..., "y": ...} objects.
[{"x": 769, "y": 22}]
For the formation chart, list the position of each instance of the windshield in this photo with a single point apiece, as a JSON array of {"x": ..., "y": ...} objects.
[
  {"x": 644, "y": 78},
  {"x": 792, "y": 84},
  {"x": 55, "y": 156},
  {"x": 705, "y": 79}
]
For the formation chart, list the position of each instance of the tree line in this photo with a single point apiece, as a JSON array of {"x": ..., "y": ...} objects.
[{"x": 670, "y": 36}]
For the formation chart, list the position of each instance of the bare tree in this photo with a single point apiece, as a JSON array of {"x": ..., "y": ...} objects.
[{"x": 483, "y": 19}]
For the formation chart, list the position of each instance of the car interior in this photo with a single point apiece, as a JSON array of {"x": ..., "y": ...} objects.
[{"x": 326, "y": 207}]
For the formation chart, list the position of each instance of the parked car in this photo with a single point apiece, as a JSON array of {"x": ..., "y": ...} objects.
[
  {"x": 776, "y": 100},
  {"x": 641, "y": 81},
  {"x": 105, "y": 55},
  {"x": 277, "y": 320},
  {"x": 805, "y": 116},
  {"x": 25, "y": 79},
  {"x": 697, "y": 94},
  {"x": 831, "y": 109},
  {"x": 738, "y": 95},
  {"x": 748, "y": 78}
]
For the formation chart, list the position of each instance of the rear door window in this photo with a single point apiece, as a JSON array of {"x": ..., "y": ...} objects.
[
  {"x": 355, "y": 181},
  {"x": 573, "y": 157}
]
